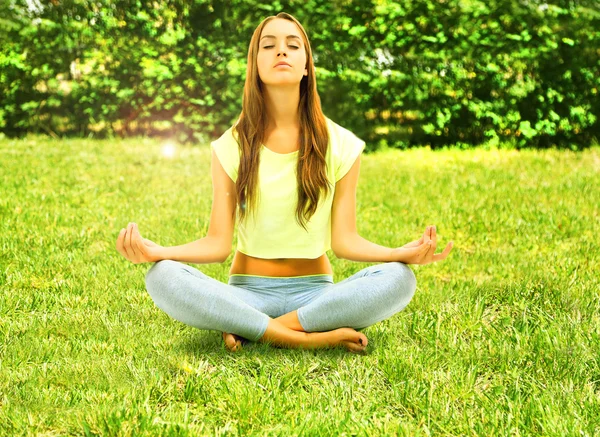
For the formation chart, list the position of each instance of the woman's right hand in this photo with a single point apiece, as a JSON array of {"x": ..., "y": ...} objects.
[{"x": 136, "y": 249}]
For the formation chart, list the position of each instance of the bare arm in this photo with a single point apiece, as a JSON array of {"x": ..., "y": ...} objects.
[
  {"x": 347, "y": 244},
  {"x": 357, "y": 248},
  {"x": 345, "y": 241},
  {"x": 203, "y": 251},
  {"x": 214, "y": 248}
]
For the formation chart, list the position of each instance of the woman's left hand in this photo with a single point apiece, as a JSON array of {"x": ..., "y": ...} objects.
[{"x": 422, "y": 251}]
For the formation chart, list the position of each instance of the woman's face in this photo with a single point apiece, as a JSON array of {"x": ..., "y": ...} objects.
[{"x": 281, "y": 40}]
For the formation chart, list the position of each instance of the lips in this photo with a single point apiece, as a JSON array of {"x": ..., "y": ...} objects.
[{"x": 282, "y": 63}]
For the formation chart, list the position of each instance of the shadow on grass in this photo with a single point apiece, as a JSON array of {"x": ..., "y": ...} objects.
[{"x": 205, "y": 343}]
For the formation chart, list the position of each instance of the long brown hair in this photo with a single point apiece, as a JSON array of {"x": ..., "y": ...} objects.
[{"x": 251, "y": 126}]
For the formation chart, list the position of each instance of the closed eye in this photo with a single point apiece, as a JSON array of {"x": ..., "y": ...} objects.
[{"x": 268, "y": 47}]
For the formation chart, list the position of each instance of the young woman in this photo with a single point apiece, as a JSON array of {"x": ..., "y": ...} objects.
[{"x": 289, "y": 175}]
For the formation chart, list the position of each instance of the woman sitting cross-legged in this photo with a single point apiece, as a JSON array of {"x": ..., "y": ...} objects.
[{"x": 287, "y": 175}]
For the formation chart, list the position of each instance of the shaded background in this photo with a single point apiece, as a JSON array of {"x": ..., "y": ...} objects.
[{"x": 399, "y": 74}]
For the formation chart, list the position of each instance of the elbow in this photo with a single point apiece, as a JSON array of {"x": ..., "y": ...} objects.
[
  {"x": 223, "y": 257},
  {"x": 225, "y": 251},
  {"x": 343, "y": 246},
  {"x": 220, "y": 248},
  {"x": 339, "y": 254}
]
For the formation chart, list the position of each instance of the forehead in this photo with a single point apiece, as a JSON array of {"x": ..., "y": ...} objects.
[{"x": 280, "y": 28}]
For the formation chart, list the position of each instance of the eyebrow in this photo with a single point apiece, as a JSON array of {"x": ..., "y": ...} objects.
[{"x": 273, "y": 36}]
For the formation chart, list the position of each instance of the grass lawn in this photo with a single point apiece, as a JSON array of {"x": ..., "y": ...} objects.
[{"x": 501, "y": 338}]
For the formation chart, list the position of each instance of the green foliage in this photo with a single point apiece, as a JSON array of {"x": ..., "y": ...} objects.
[{"x": 396, "y": 73}]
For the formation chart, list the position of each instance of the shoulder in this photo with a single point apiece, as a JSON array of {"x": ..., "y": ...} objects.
[
  {"x": 345, "y": 148},
  {"x": 228, "y": 138},
  {"x": 227, "y": 150},
  {"x": 227, "y": 144},
  {"x": 339, "y": 135}
]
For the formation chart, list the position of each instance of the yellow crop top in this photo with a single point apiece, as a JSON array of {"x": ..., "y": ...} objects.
[{"x": 274, "y": 232}]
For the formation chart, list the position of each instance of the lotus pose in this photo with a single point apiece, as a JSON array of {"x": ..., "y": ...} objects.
[{"x": 287, "y": 175}]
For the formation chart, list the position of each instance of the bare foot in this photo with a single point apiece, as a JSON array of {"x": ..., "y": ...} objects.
[
  {"x": 354, "y": 341},
  {"x": 233, "y": 342},
  {"x": 290, "y": 320}
]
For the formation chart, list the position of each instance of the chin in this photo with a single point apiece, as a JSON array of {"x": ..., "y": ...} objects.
[{"x": 292, "y": 81}]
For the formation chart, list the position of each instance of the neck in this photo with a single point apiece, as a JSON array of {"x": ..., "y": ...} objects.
[{"x": 282, "y": 107}]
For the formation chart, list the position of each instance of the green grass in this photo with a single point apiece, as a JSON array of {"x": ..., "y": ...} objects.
[{"x": 501, "y": 338}]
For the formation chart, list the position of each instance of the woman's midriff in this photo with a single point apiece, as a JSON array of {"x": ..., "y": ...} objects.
[{"x": 248, "y": 265}]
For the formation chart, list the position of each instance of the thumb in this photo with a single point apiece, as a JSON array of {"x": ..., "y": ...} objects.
[{"x": 411, "y": 250}]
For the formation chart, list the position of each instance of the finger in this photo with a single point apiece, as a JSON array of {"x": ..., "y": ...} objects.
[
  {"x": 445, "y": 253},
  {"x": 425, "y": 247},
  {"x": 137, "y": 240},
  {"x": 126, "y": 247},
  {"x": 433, "y": 238},
  {"x": 412, "y": 251},
  {"x": 426, "y": 235},
  {"x": 422, "y": 251},
  {"x": 119, "y": 245},
  {"x": 415, "y": 243},
  {"x": 129, "y": 239},
  {"x": 430, "y": 251}
]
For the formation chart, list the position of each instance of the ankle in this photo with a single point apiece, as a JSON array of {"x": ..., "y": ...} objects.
[{"x": 291, "y": 321}]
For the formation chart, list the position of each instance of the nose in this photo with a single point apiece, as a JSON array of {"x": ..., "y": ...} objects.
[{"x": 281, "y": 50}]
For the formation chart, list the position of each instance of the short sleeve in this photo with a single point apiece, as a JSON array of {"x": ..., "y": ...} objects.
[
  {"x": 350, "y": 148},
  {"x": 228, "y": 152}
]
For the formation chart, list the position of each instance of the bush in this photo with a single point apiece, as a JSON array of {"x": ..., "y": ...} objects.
[{"x": 396, "y": 73}]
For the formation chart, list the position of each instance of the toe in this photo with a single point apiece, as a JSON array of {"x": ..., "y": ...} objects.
[
  {"x": 350, "y": 335},
  {"x": 230, "y": 341},
  {"x": 361, "y": 339},
  {"x": 354, "y": 348}
]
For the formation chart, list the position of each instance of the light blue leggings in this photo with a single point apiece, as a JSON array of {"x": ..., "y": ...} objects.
[{"x": 245, "y": 305}]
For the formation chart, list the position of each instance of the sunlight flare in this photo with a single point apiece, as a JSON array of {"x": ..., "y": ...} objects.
[{"x": 169, "y": 149}]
